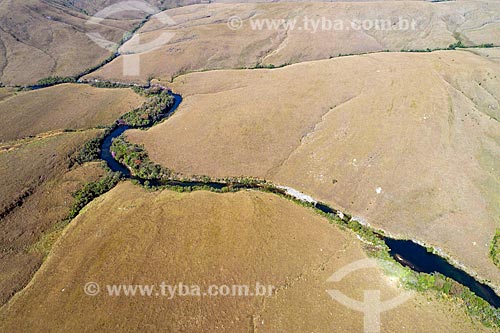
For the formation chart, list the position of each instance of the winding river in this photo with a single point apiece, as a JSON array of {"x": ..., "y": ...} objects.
[{"x": 406, "y": 252}]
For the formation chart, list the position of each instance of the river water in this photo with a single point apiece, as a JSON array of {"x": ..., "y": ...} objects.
[{"x": 406, "y": 252}]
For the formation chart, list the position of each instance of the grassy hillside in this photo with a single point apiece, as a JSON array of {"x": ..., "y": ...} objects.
[
  {"x": 37, "y": 173},
  {"x": 62, "y": 107},
  {"x": 36, "y": 193},
  {"x": 93, "y": 6},
  {"x": 203, "y": 40},
  {"x": 130, "y": 236},
  {"x": 408, "y": 142},
  {"x": 42, "y": 38},
  {"x": 398, "y": 128}
]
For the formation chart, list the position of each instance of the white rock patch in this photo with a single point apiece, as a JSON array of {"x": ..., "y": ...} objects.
[{"x": 298, "y": 195}]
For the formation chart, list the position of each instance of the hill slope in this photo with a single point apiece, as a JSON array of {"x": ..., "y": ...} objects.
[
  {"x": 408, "y": 142},
  {"x": 130, "y": 236},
  {"x": 203, "y": 40},
  {"x": 40, "y": 39},
  {"x": 66, "y": 106}
]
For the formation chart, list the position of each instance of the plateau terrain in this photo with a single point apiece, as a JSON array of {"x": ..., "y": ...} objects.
[
  {"x": 407, "y": 142},
  {"x": 202, "y": 238},
  {"x": 249, "y": 166}
]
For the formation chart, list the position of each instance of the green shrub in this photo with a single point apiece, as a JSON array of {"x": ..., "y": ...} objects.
[
  {"x": 108, "y": 84},
  {"x": 53, "y": 80},
  {"x": 486, "y": 46},
  {"x": 92, "y": 148},
  {"x": 270, "y": 66},
  {"x": 495, "y": 248},
  {"x": 153, "y": 110},
  {"x": 458, "y": 44},
  {"x": 137, "y": 160},
  {"x": 90, "y": 191},
  {"x": 90, "y": 151}
]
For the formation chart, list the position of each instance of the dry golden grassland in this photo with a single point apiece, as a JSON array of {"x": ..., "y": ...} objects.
[
  {"x": 203, "y": 40},
  {"x": 66, "y": 106},
  {"x": 36, "y": 178},
  {"x": 42, "y": 38},
  {"x": 21, "y": 232},
  {"x": 36, "y": 193},
  {"x": 406, "y": 142},
  {"x": 25, "y": 166},
  {"x": 6, "y": 93},
  {"x": 130, "y": 236},
  {"x": 91, "y": 6}
]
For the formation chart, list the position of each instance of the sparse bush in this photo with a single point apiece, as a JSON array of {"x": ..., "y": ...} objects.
[
  {"x": 90, "y": 191},
  {"x": 153, "y": 110},
  {"x": 107, "y": 84},
  {"x": 443, "y": 285},
  {"x": 486, "y": 46},
  {"x": 96, "y": 67},
  {"x": 53, "y": 80},
  {"x": 137, "y": 160},
  {"x": 270, "y": 66},
  {"x": 495, "y": 248},
  {"x": 458, "y": 44}
]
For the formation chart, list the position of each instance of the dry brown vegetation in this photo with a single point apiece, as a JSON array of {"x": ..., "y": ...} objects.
[
  {"x": 202, "y": 39},
  {"x": 130, "y": 236},
  {"x": 27, "y": 165},
  {"x": 66, "y": 106},
  {"x": 93, "y": 6},
  {"x": 409, "y": 143},
  {"x": 6, "y": 93},
  {"x": 22, "y": 231},
  {"x": 406, "y": 142},
  {"x": 36, "y": 193},
  {"x": 42, "y": 38},
  {"x": 36, "y": 177}
]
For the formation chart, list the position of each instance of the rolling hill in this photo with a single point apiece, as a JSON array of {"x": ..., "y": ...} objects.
[
  {"x": 408, "y": 143},
  {"x": 202, "y": 39},
  {"x": 130, "y": 236}
]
